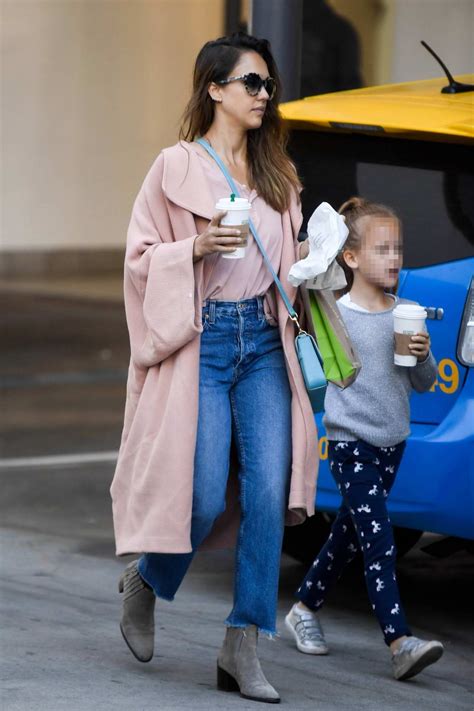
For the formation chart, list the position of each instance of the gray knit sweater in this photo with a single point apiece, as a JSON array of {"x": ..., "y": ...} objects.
[{"x": 376, "y": 407}]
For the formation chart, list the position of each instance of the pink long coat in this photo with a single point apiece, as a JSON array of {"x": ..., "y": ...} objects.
[{"x": 153, "y": 483}]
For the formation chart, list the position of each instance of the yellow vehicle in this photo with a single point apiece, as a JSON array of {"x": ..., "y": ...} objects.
[
  {"x": 414, "y": 110},
  {"x": 409, "y": 146}
]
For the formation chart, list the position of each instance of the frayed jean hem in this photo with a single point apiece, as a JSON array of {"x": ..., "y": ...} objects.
[{"x": 270, "y": 634}]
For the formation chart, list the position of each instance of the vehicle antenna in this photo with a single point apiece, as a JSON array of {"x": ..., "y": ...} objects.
[{"x": 455, "y": 87}]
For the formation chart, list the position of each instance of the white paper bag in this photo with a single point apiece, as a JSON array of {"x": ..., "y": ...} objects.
[{"x": 327, "y": 233}]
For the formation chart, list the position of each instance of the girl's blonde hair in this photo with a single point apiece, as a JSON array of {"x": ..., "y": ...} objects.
[{"x": 352, "y": 210}]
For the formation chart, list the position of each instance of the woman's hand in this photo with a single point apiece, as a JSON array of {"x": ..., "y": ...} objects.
[
  {"x": 217, "y": 239},
  {"x": 420, "y": 345}
]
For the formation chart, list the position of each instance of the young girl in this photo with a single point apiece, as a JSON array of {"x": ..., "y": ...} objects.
[{"x": 367, "y": 425}]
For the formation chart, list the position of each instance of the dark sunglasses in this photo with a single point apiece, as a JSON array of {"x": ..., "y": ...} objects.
[{"x": 253, "y": 83}]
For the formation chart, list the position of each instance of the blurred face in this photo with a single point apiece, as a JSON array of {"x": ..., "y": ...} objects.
[
  {"x": 380, "y": 256},
  {"x": 233, "y": 99}
]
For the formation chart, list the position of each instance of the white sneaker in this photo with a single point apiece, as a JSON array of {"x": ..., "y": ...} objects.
[
  {"x": 307, "y": 631},
  {"x": 413, "y": 656}
]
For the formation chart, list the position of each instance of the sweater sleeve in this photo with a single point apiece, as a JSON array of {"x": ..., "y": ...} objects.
[
  {"x": 423, "y": 375},
  {"x": 159, "y": 278}
]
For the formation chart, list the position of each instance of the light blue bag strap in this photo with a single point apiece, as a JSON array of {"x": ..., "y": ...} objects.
[{"x": 293, "y": 315}]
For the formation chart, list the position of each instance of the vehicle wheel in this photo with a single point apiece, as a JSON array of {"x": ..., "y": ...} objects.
[{"x": 305, "y": 541}]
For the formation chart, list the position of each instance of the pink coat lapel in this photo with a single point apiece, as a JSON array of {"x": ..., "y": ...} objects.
[{"x": 184, "y": 182}]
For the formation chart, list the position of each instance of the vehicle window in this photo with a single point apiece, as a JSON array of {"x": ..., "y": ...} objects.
[{"x": 430, "y": 185}]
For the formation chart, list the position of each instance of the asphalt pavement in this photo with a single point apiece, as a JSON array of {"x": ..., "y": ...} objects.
[{"x": 63, "y": 366}]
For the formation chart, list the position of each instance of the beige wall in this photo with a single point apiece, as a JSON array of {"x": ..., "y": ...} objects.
[
  {"x": 391, "y": 30},
  {"x": 446, "y": 25},
  {"x": 91, "y": 91}
]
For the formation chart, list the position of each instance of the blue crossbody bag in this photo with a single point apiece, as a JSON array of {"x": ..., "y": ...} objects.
[{"x": 309, "y": 357}]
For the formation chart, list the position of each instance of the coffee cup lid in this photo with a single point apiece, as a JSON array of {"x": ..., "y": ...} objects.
[
  {"x": 409, "y": 311},
  {"x": 235, "y": 203}
]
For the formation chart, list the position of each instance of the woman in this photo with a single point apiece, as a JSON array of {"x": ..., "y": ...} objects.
[{"x": 213, "y": 361}]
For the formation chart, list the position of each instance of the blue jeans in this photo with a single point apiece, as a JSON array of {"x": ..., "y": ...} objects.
[
  {"x": 364, "y": 475},
  {"x": 244, "y": 395}
]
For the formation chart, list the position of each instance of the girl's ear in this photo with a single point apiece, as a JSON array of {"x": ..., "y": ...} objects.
[
  {"x": 215, "y": 92},
  {"x": 350, "y": 258}
]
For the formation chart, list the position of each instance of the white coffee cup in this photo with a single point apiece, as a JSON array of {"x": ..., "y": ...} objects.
[
  {"x": 408, "y": 319},
  {"x": 238, "y": 210}
]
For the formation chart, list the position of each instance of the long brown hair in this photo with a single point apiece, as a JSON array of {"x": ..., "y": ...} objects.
[
  {"x": 271, "y": 171},
  {"x": 352, "y": 210}
]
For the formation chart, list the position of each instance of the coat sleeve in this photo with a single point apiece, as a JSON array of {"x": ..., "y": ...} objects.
[{"x": 159, "y": 278}]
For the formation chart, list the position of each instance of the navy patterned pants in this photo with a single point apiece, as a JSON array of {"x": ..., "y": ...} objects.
[{"x": 364, "y": 475}]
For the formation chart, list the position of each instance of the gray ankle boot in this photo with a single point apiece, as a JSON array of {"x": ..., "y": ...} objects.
[
  {"x": 238, "y": 668},
  {"x": 138, "y": 623}
]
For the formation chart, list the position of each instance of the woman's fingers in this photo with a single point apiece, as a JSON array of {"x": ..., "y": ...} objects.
[
  {"x": 229, "y": 238},
  {"x": 222, "y": 248},
  {"x": 227, "y": 246},
  {"x": 226, "y": 231},
  {"x": 219, "y": 239},
  {"x": 226, "y": 241},
  {"x": 216, "y": 228},
  {"x": 215, "y": 219}
]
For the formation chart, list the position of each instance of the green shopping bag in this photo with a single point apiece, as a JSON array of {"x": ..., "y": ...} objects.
[{"x": 340, "y": 361}]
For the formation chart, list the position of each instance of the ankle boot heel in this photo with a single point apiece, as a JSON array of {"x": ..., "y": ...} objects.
[
  {"x": 226, "y": 682},
  {"x": 120, "y": 585}
]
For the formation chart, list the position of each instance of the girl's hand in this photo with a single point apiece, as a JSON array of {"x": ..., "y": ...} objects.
[
  {"x": 217, "y": 239},
  {"x": 420, "y": 345},
  {"x": 303, "y": 249}
]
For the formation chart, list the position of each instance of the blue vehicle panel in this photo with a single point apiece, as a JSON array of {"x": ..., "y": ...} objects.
[{"x": 443, "y": 286}]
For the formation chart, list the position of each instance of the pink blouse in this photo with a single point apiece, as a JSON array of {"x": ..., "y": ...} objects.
[{"x": 235, "y": 279}]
